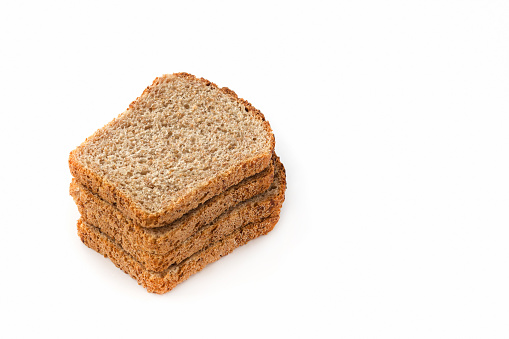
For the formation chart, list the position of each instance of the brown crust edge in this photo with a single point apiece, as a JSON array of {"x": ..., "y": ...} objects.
[
  {"x": 228, "y": 222},
  {"x": 161, "y": 283},
  {"x": 117, "y": 224},
  {"x": 192, "y": 199}
]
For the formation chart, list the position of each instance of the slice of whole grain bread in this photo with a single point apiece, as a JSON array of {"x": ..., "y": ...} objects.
[
  {"x": 254, "y": 209},
  {"x": 162, "y": 282},
  {"x": 183, "y": 141}
]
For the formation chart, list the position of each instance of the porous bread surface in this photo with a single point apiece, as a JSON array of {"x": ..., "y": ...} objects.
[
  {"x": 162, "y": 282},
  {"x": 162, "y": 239},
  {"x": 252, "y": 210},
  {"x": 183, "y": 141}
]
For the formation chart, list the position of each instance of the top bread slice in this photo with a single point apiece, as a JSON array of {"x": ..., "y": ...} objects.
[{"x": 183, "y": 141}]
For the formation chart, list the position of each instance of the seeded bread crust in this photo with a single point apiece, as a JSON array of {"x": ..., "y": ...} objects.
[
  {"x": 162, "y": 282},
  {"x": 190, "y": 199},
  {"x": 252, "y": 210},
  {"x": 163, "y": 239}
]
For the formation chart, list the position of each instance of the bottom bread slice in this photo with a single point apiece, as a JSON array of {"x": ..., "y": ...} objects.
[{"x": 162, "y": 282}]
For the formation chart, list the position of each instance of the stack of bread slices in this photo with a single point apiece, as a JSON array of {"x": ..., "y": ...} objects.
[{"x": 184, "y": 176}]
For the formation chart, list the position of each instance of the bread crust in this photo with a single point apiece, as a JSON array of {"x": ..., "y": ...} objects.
[
  {"x": 161, "y": 240},
  {"x": 188, "y": 201},
  {"x": 252, "y": 210},
  {"x": 162, "y": 282}
]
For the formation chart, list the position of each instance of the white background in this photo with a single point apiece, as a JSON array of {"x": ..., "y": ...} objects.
[{"x": 392, "y": 119}]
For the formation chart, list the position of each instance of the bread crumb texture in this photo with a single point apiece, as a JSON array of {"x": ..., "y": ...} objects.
[{"x": 178, "y": 134}]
